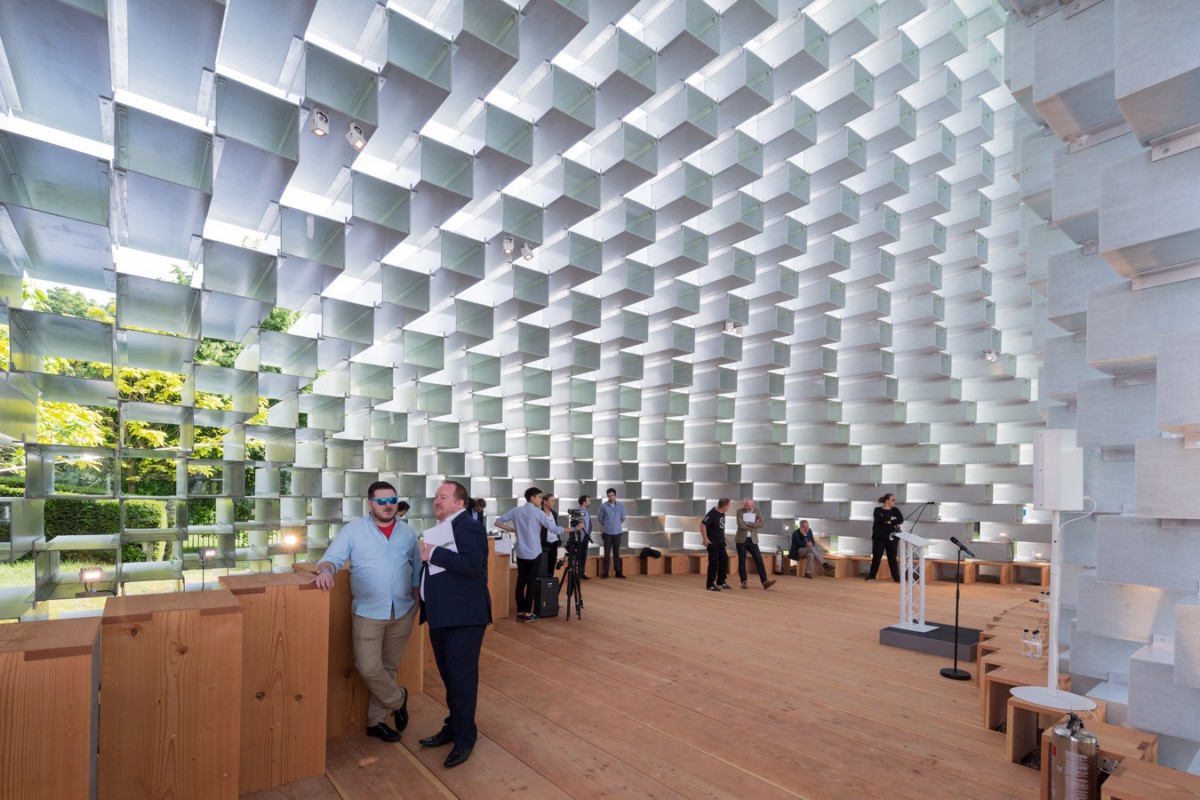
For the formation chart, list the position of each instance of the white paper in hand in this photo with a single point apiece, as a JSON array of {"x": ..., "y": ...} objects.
[
  {"x": 749, "y": 517},
  {"x": 441, "y": 535}
]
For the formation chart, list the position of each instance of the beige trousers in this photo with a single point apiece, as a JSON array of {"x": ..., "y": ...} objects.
[{"x": 378, "y": 646}]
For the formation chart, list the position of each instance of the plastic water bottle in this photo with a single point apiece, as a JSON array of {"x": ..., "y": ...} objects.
[
  {"x": 1035, "y": 645},
  {"x": 1025, "y": 642}
]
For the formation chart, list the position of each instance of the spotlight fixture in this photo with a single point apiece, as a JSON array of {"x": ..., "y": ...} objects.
[
  {"x": 507, "y": 244},
  {"x": 356, "y": 137},
  {"x": 89, "y": 576},
  {"x": 991, "y": 355},
  {"x": 731, "y": 326},
  {"x": 527, "y": 251},
  {"x": 290, "y": 540},
  {"x": 207, "y": 554},
  {"x": 318, "y": 122}
]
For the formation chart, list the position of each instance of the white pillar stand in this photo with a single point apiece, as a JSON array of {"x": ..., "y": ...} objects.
[{"x": 1050, "y": 695}]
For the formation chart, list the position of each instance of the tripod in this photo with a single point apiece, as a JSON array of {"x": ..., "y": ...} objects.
[{"x": 573, "y": 576}]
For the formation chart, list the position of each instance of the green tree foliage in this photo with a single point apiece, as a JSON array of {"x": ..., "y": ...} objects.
[{"x": 62, "y": 423}]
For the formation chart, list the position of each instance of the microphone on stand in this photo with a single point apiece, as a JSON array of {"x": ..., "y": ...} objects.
[{"x": 962, "y": 547}]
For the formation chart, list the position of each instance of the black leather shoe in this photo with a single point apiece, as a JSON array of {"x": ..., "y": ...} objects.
[
  {"x": 586, "y": 577},
  {"x": 382, "y": 731},
  {"x": 444, "y": 736},
  {"x": 458, "y": 755},
  {"x": 622, "y": 577},
  {"x": 400, "y": 715}
]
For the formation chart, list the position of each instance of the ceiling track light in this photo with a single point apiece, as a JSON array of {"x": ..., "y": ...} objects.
[
  {"x": 318, "y": 122},
  {"x": 527, "y": 251},
  {"x": 507, "y": 244},
  {"x": 991, "y": 355},
  {"x": 356, "y": 136}
]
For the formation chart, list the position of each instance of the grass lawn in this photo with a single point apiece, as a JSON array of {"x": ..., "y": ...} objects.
[{"x": 21, "y": 574}]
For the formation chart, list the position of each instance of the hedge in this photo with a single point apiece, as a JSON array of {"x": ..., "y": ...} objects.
[{"x": 68, "y": 517}]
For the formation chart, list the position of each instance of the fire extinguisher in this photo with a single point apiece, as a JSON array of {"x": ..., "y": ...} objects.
[
  {"x": 778, "y": 560},
  {"x": 1074, "y": 760}
]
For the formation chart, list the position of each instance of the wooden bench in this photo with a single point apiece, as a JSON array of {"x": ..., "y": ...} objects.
[
  {"x": 845, "y": 566},
  {"x": 971, "y": 570},
  {"x": 691, "y": 562},
  {"x": 1042, "y": 567},
  {"x": 997, "y": 684},
  {"x": 1117, "y": 745},
  {"x": 1025, "y": 719},
  {"x": 1141, "y": 780}
]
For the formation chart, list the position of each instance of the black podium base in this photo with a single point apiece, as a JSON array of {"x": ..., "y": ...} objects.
[
  {"x": 937, "y": 642},
  {"x": 956, "y": 674}
]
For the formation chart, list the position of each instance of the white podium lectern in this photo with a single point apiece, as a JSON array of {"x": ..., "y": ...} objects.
[{"x": 912, "y": 582}]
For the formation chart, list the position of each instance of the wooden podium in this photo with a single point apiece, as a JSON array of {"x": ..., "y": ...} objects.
[
  {"x": 347, "y": 704},
  {"x": 285, "y": 642},
  {"x": 171, "y": 670},
  {"x": 498, "y": 582},
  {"x": 48, "y": 676}
]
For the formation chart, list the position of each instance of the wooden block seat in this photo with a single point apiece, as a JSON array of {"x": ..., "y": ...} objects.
[
  {"x": 846, "y": 566},
  {"x": 1117, "y": 744},
  {"x": 1040, "y": 568},
  {"x": 971, "y": 570},
  {"x": 1141, "y": 780},
  {"x": 1025, "y": 719},
  {"x": 48, "y": 689},
  {"x": 941, "y": 569},
  {"x": 997, "y": 684},
  {"x": 690, "y": 562}
]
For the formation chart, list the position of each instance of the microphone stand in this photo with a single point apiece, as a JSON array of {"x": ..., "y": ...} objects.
[{"x": 954, "y": 673}]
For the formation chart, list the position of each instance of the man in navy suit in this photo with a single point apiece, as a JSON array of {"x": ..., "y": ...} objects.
[{"x": 458, "y": 608}]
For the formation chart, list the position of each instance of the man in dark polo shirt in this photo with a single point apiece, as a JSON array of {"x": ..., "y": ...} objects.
[{"x": 712, "y": 531}]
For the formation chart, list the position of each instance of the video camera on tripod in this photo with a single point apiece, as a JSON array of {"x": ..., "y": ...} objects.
[{"x": 572, "y": 541}]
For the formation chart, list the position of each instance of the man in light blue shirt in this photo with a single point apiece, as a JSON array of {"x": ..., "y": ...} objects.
[
  {"x": 385, "y": 580},
  {"x": 527, "y": 522},
  {"x": 611, "y": 517}
]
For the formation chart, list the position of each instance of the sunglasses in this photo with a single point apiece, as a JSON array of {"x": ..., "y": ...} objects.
[{"x": 385, "y": 501}]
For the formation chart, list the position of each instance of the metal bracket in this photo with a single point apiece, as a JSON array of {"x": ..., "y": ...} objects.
[
  {"x": 1135, "y": 378},
  {"x": 1099, "y": 134},
  {"x": 1165, "y": 275},
  {"x": 1175, "y": 143},
  {"x": 1116, "y": 454},
  {"x": 1080, "y": 5}
]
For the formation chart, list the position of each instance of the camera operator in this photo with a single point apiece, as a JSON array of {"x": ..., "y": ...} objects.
[{"x": 585, "y": 541}]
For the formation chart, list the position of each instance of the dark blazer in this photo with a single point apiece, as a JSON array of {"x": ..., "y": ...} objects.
[
  {"x": 799, "y": 542},
  {"x": 459, "y": 596}
]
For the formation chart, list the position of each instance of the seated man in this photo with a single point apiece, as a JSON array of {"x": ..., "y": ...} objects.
[{"x": 805, "y": 546}]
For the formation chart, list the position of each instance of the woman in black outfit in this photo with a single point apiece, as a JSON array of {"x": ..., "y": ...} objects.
[{"x": 887, "y": 521}]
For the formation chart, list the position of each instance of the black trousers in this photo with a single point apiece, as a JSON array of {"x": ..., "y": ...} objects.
[
  {"x": 528, "y": 570},
  {"x": 456, "y": 651},
  {"x": 718, "y": 563},
  {"x": 878, "y": 548},
  {"x": 612, "y": 550},
  {"x": 751, "y": 547}
]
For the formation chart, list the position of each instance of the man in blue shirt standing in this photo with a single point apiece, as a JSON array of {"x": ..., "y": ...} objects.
[
  {"x": 611, "y": 517},
  {"x": 528, "y": 522},
  {"x": 385, "y": 580}
]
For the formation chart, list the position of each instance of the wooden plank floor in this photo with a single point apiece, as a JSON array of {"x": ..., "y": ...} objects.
[{"x": 664, "y": 690}]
